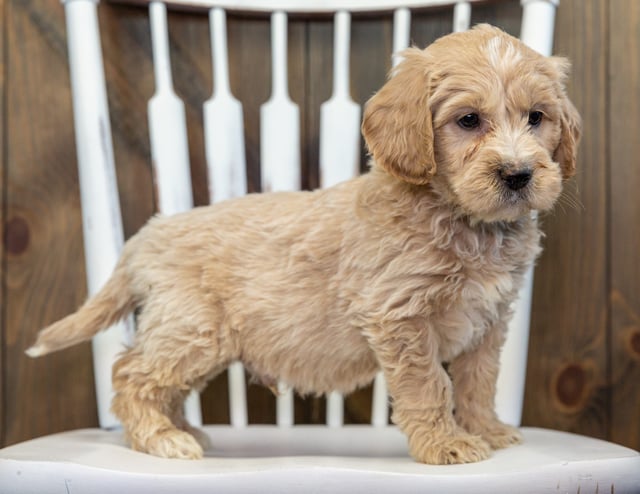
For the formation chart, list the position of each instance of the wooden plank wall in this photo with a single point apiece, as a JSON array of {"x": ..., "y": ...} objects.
[
  {"x": 3, "y": 10},
  {"x": 624, "y": 221},
  {"x": 569, "y": 364},
  {"x": 584, "y": 359}
]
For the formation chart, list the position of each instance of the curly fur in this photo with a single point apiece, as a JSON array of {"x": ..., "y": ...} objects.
[{"x": 411, "y": 265}]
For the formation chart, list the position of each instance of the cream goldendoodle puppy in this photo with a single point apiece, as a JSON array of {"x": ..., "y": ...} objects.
[{"x": 407, "y": 267}]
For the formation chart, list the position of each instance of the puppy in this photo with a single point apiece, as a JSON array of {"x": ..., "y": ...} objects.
[{"x": 407, "y": 267}]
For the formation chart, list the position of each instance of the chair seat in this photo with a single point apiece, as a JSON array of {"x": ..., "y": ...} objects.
[{"x": 314, "y": 459}]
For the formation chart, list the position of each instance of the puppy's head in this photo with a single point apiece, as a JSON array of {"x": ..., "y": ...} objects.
[{"x": 482, "y": 119}]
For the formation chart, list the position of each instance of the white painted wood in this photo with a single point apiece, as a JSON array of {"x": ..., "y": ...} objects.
[
  {"x": 167, "y": 125},
  {"x": 538, "y": 21},
  {"x": 279, "y": 120},
  {"x": 401, "y": 33},
  {"x": 513, "y": 359},
  {"x": 284, "y": 405},
  {"x": 169, "y": 146},
  {"x": 101, "y": 219},
  {"x": 340, "y": 115},
  {"x": 226, "y": 163},
  {"x": 237, "y": 395},
  {"x": 335, "y": 409},
  {"x": 380, "y": 402},
  {"x": 461, "y": 16},
  {"x": 301, "y": 459},
  {"x": 308, "y": 6},
  {"x": 223, "y": 122}
]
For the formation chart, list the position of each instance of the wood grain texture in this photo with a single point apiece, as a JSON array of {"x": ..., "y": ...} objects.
[
  {"x": 191, "y": 63},
  {"x": 371, "y": 46},
  {"x": 126, "y": 47},
  {"x": 567, "y": 378},
  {"x": 3, "y": 192},
  {"x": 624, "y": 220},
  {"x": 44, "y": 273}
]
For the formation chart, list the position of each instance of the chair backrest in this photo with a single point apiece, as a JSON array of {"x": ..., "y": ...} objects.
[{"x": 339, "y": 156}]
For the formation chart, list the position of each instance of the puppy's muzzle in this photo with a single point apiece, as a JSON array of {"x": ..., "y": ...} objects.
[{"x": 515, "y": 180}]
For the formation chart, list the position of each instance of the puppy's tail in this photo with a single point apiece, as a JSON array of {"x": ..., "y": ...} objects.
[{"x": 109, "y": 305}]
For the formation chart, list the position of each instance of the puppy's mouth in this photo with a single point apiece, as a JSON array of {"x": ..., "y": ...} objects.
[
  {"x": 526, "y": 190},
  {"x": 506, "y": 192},
  {"x": 513, "y": 196}
]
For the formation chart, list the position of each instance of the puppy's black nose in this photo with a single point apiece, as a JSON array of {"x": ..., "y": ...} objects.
[{"x": 516, "y": 180}]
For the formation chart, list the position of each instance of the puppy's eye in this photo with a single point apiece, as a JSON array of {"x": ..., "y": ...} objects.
[
  {"x": 469, "y": 121},
  {"x": 535, "y": 117}
]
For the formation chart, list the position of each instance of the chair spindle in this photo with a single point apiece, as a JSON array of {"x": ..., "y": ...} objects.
[
  {"x": 226, "y": 164},
  {"x": 101, "y": 218},
  {"x": 169, "y": 145},
  {"x": 461, "y": 16},
  {"x": 279, "y": 119}
]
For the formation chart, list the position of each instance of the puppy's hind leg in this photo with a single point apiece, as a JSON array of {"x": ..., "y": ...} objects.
[
  {"x": 143, "y": 401},
  {"x": 178, "y": 417},
  {"x": 152, "y": 379}
]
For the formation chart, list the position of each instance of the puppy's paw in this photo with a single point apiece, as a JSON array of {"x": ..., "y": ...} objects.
[
  {"x": 199, "y": 435},
  {"x": 173, "y": 444},
  {"x": 461, "y": 448},
  {"x": 497, "y": 434},
  {"x": 500, "y": 435}
]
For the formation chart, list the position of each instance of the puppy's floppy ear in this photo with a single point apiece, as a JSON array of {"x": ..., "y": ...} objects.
[
  {"x": 570, "y": 125},
  {"x": 397, "y": 123},
  {"x": 571, "y": 129}
]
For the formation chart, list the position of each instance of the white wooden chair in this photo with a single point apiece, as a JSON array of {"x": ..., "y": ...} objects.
[{"x": 279, "y": 458}]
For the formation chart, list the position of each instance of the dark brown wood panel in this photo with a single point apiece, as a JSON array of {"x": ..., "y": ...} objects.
[
  {"x": 507, "y": 16},
  {"x": 44, "y": 272},
  {"x": 126, "y": 46},
  {"x": 191, "y": 63},
  {"x": 567, "y": 372},
  {"x": 624, "y": 220},
  {"x": 319, "y": 67},
  {"x": 3, "y": 184},
  {"x": 371, "y": 46},
  {"x": 431, "y": 24}
]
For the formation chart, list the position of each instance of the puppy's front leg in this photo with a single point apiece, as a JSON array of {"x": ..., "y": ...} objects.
[
  {"x": 474, "y": 375},
  {"x": 422, "y": 396}
]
